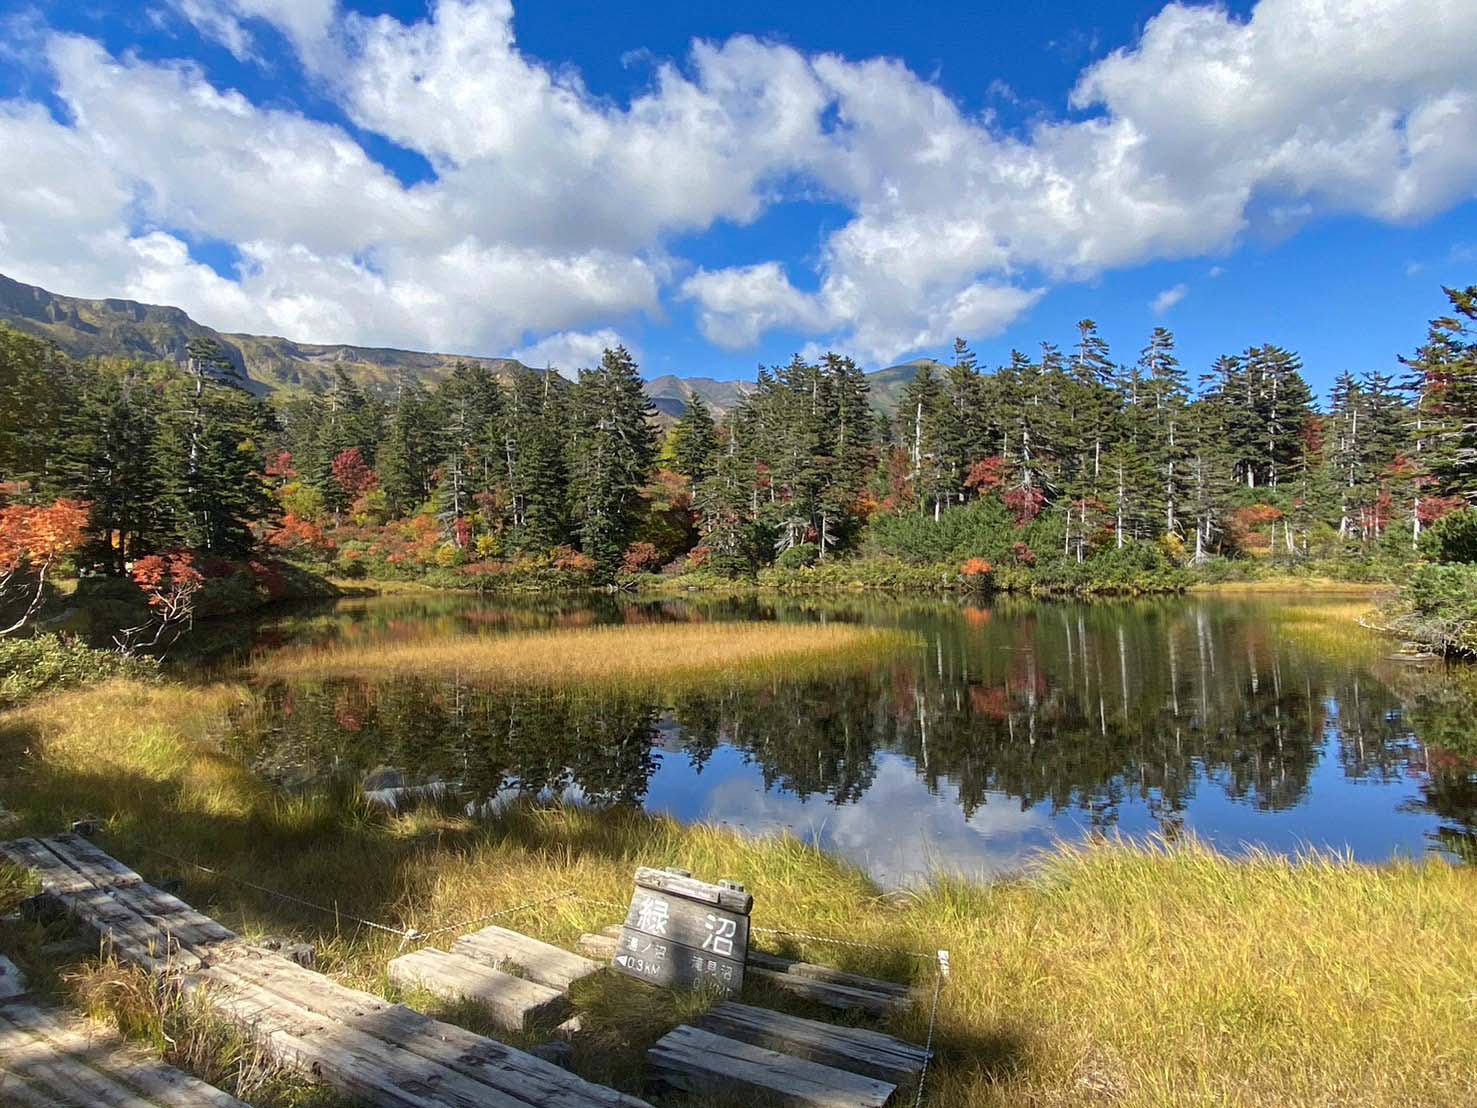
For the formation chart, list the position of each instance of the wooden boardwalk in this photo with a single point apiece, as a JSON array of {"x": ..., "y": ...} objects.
[
  {"x": 380, "y": 1053},
  {"x": 823, "y": 985},
  {"x": 48, "y": 1059}
]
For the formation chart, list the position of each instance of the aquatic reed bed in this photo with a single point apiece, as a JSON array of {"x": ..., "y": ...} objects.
[{"x": 664, "y": 654}]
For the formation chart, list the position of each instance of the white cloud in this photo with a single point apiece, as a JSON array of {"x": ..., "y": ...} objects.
[
  {"x": 551, "y": 209},
  {"x": 571, "y": 351},
  {"x": 1168, "y": 298},
  {"x": 305, "y": 22},
  {"x": 741, "y": 303}
]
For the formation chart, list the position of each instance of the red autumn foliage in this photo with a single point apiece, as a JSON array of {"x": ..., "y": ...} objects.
[
  {"x": 1023, "y": 554},
  {"x": 573, "y": 561},
  {"x": 32, "y": 541},
  {"x": 296, "y": 533},
  {"x": 1244, "y": 526},
  {"x": 976, "y": 567},
  {"x": 353, "y": 474},
  {"x": 988, "y": 473},
  {"x": 169, "y": 579},
  {"x": 170, "y": 582},
  {"x": 1025, "y": 503},
  {"x": 641, "y": 557},
  {"x": 280, "y": 465}
]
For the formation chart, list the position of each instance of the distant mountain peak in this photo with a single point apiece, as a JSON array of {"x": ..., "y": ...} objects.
[{"x": 112, "y": 326}]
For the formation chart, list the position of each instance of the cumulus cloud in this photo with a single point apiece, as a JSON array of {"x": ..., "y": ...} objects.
[
  {"x": 551, "y": 210},
  {"x": 1168, "y": 298},
  {"x": 305, "y": 22},
  {"x": 571, "y": 351}
]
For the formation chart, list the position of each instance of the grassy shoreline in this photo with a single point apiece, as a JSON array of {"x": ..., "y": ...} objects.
[
  {"x": 662, "y": 654},
  {"x": 1113, "y": 974}
]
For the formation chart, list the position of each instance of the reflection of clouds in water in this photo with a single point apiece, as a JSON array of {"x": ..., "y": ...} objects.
[{"x": 898, "y": 831}]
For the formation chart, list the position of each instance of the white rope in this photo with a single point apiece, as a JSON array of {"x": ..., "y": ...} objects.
[
  {"x": 406, "y": 935},
  {"x": 938, "y": 987},
  {"x": 495, "y": 915}
]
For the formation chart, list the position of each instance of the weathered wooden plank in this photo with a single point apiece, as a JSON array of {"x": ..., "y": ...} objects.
[
  {"x": 700, "y": 1062},
  {"x": 600, "y": 948},
  {"x": 498, "y": 1066},
  {"x": 93, "y": 863},
  {"x": 841, "y": 997},
  {"x": 780, "y": 964},
  {"x": 160, "y": 1083},
  {"x": 70, "y": 1077},
  {"x": 728, "y": 898},
  {"x": 12, "y": 980},
  {"x": 366, "y": 1068},
  {"x": 15, "y": 1090},
  {"x": 854, "y": 1049},
  {"x": 513, "y": 1002},
  {"x": 539, "y": 961},
  {"x": 113, "y": 901}
]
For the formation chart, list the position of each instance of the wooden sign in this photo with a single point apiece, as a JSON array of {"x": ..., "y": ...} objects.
[{"x": 682, "y": 933}]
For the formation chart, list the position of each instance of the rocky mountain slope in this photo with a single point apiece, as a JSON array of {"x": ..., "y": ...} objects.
[{"x": 86, "y": 328}]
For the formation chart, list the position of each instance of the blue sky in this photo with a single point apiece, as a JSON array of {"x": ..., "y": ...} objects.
[{"x": 721, "y": 185}]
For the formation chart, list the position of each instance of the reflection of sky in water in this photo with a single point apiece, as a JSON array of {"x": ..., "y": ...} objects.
[
  {"x": 900, "y": 832},
  {"x": 1013, "y": 729}
]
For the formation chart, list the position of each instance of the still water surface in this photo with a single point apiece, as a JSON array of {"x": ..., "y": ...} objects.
[{"x": 1010, "y": 727}]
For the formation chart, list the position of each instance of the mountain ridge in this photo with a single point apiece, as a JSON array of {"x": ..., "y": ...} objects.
[{"x": 82, "y": 327}]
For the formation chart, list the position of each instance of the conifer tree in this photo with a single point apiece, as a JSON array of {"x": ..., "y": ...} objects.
[
  {"x": 611, "y": 451},
  {"x": 695, "y": 442}
]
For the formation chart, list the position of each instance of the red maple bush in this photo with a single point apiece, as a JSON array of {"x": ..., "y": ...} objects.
[
  {"x": 170, "y": 582},
  {"x": 353, "y": 474},
  {"x": 976, "y": 567},
  {"x": 641, "y": 557},
  {"x": 33, "y": 540}
]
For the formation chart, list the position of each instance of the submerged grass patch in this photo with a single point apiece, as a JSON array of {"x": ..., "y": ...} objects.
[
  {"x": 1111, "y": 975},
  {"x": 663, "y": 654}
]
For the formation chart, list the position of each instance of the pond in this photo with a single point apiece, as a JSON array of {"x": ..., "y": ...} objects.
[{"x": 1007, "y": 728}]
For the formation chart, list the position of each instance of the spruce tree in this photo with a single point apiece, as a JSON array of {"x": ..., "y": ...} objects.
[
  {"x": 695, "y": 442},
  {"x": 611, "y": 451}
]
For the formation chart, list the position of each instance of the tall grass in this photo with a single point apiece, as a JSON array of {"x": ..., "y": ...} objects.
[
  {"x": 1112, "y": 974},
  {"x": 655, "y": 653}
]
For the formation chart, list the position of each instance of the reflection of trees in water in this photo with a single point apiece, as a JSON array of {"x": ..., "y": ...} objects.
[
  {"x": 1088, "y": 706},
  {"x": 487, "y": 740},
  {"x": 1076, "y": 706}
]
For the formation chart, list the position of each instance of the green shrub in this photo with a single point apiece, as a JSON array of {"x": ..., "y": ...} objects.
[
  {"x": 1452, "y": 539},
  {"x": 31, "y": 665},
  {"x": 799, "y": 556}
]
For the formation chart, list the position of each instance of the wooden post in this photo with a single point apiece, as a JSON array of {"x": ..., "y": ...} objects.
[{"x": 681, "y": 932}]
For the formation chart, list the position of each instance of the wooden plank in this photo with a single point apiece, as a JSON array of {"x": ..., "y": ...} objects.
[
  {"x": 780, "y": 964},
  {"x": 513, "y": 1002},
  {"x": 25, "y": 1054},
  {"x": 541, "y": 962},
  {"x": 144, "y": 924},
  {"x": 600, "y": 948},
  {"x": 840, "y": 997},
  {"x": 162, "y": 1084},
  {"x": 366, "y": 1068},
  {"x": 278, "y": 985},
  {"x": 15, "y": 1090},
  {"x": 12, "y": 980},
  {"x": 700, "y": 1062},
  {"x": 677, "y": 884},
  {"x": 854, "y": 1049}
]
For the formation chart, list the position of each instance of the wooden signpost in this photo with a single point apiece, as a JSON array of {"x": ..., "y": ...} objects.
[{"x": 681, "y": 932}]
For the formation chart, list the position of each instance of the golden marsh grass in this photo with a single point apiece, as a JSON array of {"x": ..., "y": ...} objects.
[
  {"x": 642, "y": 654},
  {"x": 1111, "y": 975}
]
